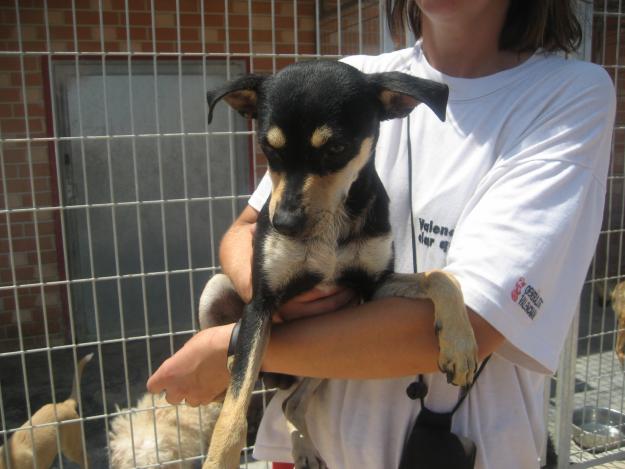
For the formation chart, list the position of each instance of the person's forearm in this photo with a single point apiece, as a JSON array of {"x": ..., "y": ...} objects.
[
  {"x": 235, "y": 252},
  {"x": 386, "y": 338},
  {"x": 235, "y": 257}
]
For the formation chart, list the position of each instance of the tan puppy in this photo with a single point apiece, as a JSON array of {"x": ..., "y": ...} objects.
[
  {"x": 38, "y": 447},
  {"x": 161, "y": 433},
  {"x": 156, "y": 427},
  {"x": 618, "y": 304}
]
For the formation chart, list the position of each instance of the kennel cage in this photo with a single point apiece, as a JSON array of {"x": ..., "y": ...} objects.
[{"x": 115, "y": 192}]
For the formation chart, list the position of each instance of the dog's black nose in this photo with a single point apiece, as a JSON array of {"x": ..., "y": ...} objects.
[{"x": 289, "y": 222}]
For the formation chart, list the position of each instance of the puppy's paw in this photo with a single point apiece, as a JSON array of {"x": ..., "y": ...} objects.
[
  {"x": 305, "y": 454},
  {"x": 458, "y": 354}
]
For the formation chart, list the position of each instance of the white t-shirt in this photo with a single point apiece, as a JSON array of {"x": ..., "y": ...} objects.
[{"x": 508, "y": 195}]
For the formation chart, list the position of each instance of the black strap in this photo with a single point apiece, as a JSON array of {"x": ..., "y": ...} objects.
[
  {"x": 419, "y": 389},
  {"x": 465, "y": 391},
  {"x": 412, "y": 227}
]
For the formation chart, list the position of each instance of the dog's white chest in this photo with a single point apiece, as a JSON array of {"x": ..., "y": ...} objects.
[{"x": 286, "y": 258}]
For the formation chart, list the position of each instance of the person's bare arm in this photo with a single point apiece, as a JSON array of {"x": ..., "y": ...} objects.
[
  {"x": 385, "y": 338},
  {"x": 235, "y": 252}
]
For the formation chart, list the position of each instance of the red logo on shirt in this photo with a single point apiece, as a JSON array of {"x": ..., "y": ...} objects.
[
  {"x": 518, "y": 288},
  {"x": 527, "y": 297}
]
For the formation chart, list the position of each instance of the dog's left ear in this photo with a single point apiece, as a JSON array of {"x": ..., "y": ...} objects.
[
  {"x": 241, "y": 94},
  {"x": 399, "y": 93}
]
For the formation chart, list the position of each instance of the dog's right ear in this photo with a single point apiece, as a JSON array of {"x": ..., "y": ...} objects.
[
  {"x": 399, "y": 93},
  {"x": 241, "y": 94}
]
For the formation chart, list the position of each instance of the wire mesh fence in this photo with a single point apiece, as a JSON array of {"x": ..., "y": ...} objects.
[
  {"x": 115, "y": 192},
  {"x": 590, "y": 393}
]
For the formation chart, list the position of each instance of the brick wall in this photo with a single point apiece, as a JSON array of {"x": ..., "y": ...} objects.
[
  {"x": 354, "y": 34},
  {"x": 28, "y": 185},
  {"x": 28, "y": 182}
]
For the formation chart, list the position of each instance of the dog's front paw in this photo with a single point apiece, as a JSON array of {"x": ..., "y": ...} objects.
[
  {"x": 458, "y": 355},
  {"x": 305, "y": 454}
]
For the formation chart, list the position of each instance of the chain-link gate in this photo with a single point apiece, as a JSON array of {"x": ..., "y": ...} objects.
[{"x": 114, "y": 194}]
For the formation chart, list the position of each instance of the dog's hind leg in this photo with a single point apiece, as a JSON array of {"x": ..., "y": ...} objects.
[
  {"x": 458, "y": 349},
  {"x": 219, "y": 303},
  {"x": 71, "y": 439},
  {"x": 305, "y": 454},
  {"x": 231, "y": 428}
]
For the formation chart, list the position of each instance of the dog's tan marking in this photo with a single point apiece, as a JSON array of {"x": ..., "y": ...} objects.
[
  {"x": 278, "y": 184},
  {"x": 320, "y": 136},
  {"x": 387, "y": 97},
  {"x": 230, "y": 430},
  {"x": 323, "y": 196},
  {"x": 285, "y": 257},
  {"x": 393, "y": 99},
  {"x": 242, "y": 100},
  {"x": 371, "y": 255},
  {"x": 328, "y": 191},
  {"x": 276, "y": 138}
]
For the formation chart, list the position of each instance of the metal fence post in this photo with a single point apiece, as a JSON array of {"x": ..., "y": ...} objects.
[
  {"x": 565, "y": 384},
  {"x": 386, "y": 41},
  {"x": 565, "y": 395}
]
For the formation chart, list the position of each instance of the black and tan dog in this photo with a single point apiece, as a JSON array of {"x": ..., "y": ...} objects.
[{"x": 327, "y": 222}]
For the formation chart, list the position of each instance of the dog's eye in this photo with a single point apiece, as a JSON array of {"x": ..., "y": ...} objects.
[{"x": 336, "y": 148}]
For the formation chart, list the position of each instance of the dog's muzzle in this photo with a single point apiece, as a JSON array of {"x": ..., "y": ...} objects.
[{"x": 289, "y": 222}]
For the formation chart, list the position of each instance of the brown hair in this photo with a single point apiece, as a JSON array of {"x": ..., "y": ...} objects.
[{"x": 529, "y": 25}]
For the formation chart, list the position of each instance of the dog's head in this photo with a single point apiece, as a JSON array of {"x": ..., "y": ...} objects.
[{"x": 317, "y": 125}]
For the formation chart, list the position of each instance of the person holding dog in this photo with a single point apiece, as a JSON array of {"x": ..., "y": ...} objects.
[{"x": 507, "y": 195}]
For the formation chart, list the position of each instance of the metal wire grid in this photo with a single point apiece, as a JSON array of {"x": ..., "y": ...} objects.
[
  {"x": 348, "y": 22},
  {"x": 355, "y": 27},
  {"x": 589, "y": 374}
]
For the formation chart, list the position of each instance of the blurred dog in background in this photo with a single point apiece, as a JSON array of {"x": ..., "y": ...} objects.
[
  {"x": 38, "y": 447},
  {"x": 618, "y": 304},
  {"x": 156, "y": 432}
]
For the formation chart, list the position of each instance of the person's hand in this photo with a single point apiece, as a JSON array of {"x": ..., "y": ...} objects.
[
  {"x": 197, "y": 373},
  {"x": 316, "y": 301}
]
